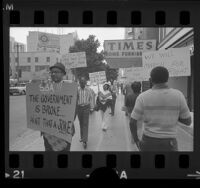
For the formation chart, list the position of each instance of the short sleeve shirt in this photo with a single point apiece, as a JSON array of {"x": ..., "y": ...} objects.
[{"x": 160, "y": 110}]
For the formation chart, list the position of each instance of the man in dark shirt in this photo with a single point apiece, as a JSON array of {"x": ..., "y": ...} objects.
[{"x": 131, "y": 98}]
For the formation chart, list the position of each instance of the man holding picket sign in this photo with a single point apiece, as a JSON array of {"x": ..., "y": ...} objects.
[{"x": 52, "y": 142}]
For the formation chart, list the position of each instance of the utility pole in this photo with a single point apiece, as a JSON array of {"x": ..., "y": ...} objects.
[{"x": 17, "y": 69}]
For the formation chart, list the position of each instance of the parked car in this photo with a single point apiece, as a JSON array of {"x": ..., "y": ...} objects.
[{"x": 19, "y": 89}]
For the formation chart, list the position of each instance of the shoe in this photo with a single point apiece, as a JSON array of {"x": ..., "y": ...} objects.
[
  {"x": 104, "y": 129},
  {"x": 84, "y": 145}
]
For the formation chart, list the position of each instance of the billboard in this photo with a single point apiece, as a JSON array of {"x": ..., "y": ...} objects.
[{"x": 127, "y": 53}]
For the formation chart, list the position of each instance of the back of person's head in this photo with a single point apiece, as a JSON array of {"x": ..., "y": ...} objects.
[
  {"x": 136, "y": 87},
  {"x": 159, "y": 75}
]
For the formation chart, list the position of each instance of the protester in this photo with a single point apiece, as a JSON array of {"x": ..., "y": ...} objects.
[
  {"x": 131, "y": 98},
  {"x": 85, "y": 103},
  {"x": 160, "y": 108},
  {"x": 104, "y": 101},
  {"x": 53, "y": 143},
  {"x": 121, "y": 88},
  {"x": 113, "y": 90},
  {"x": 127, "y": 91}
]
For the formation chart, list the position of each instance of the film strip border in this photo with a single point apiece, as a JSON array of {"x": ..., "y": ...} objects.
[
  {"x": 108, "y": 14},
  {"x": 99, "y": 14},
  {"x": 85, "y": 165}
]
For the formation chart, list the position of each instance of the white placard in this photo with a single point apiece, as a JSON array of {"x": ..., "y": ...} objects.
[
  {"x": 74, "y": 60},
  {"x": 134, "y": 74},
  {"x": 98, "y": 77},
  {"x": 176, "y": 60}
]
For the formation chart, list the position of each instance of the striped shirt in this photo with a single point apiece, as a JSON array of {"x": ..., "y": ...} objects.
[
  {"x": 84, "y": 96},
  {"x": 160, "y": 110}
]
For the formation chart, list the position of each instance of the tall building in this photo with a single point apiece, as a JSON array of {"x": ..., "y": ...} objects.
[{"x": 41, "y": 41}]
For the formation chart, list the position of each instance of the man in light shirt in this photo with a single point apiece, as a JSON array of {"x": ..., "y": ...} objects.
[
  {"x": 160, "y": 108},
  {"x": 85, "y": 103}
]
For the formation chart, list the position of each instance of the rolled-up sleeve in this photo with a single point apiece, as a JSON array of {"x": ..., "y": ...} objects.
[
  {"x": 184, "y": 110},
  {"x": 138, "y": 110}
]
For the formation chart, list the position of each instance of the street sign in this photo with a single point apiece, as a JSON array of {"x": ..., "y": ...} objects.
[
  {"x": 50, "y": 107},
  {"x": 176, "y": 60},
  {"x": 74, "y": 60}
]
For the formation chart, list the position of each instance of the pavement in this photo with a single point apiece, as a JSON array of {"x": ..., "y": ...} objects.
[{"x": 116, "y": 138}]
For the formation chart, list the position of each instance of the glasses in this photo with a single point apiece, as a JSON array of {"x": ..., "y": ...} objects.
[{"x": 55, "y": 72}]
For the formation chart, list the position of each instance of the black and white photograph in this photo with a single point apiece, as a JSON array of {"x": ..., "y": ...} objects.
[{"x": 127, "y": 89}]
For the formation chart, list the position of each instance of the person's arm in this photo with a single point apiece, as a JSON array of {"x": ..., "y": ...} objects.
[
  {"x": 91, "y": 99},
  {"x": 184, "y": 115},
  {"x": 186, "y": 121},
  {"x": 133, "y": 128},
  {"x": 136, "y": 115}
]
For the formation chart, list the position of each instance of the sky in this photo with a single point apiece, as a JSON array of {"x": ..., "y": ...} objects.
[{"x": 102, "y": 33}]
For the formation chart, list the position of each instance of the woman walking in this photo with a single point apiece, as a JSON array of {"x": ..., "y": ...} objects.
[{"x": 104, "y": 101}]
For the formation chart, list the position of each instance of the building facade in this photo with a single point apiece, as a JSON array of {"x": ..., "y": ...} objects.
[
  {"x": 43, "y": 50},
  {"x": 176, "y": 37},
  {"x": 47, "y": 42},
  {"x": 16, "y": 46},
  {"x": 30, "y": 62},
  {"x": 142, "y": 33}
]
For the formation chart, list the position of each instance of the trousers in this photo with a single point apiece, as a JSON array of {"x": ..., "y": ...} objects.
[
  {"x": 158, "y": 144},
  {"x": 83, "y": 116},
  {"x": 48, "y": 147}
]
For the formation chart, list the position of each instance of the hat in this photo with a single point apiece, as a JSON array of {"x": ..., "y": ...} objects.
[
  {"x": 59, "y": 66},
  {"x": 106, "y": 83}
]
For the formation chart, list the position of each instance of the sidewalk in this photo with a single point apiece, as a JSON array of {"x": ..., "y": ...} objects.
[{"x": 117, "y": 137}]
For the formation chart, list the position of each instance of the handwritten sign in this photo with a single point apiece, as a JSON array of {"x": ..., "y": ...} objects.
[
  {"x": 40, "y": 75},
  {"x": 127, "y": 48},
  {"x": 74, "y": 60},
  {"x": 50, "y": 107},
  {"x": 134, "y": 74},
  {"x": 98, "y": 77},
  {"x": 176, "y": 60}
]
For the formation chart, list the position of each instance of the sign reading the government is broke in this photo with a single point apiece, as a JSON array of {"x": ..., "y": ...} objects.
[
  {"x": 176, "y": 60},
  {"x": 50, "y": 107},
  {"x": 74, "y": 60},
  {"x": 127, "y": 53}
]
